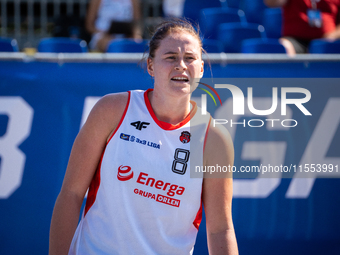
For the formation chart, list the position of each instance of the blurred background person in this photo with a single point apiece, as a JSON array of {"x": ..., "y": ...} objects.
[
  {"x": 110, "y": 19},
  {"x": 305, "y": 20},
  {"x": 173, "y": 8}
]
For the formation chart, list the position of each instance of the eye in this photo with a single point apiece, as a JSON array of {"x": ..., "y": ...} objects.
[{"x": 170, "y": 58}]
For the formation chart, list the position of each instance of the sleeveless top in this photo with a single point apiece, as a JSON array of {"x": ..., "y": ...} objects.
[
  {"x": 142, "y": 199},
  {"x": 113, "y": 10}
]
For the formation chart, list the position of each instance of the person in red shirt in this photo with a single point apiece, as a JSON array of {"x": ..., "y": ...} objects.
[{"x": 305, "y": 20}]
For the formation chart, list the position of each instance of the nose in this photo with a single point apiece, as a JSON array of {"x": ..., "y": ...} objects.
[{"x": 181, "y": 65}]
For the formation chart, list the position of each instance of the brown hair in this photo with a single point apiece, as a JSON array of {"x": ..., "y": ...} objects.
[{"x": 172, "y": 25}]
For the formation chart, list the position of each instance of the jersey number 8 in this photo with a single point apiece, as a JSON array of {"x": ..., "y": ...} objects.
[{"x": 179, "y": 165}]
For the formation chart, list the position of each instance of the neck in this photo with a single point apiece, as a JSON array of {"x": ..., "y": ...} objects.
[{"x": 172, "y": 110}]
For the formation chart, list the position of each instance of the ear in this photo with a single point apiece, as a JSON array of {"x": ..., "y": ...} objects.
[
  {"x": 150, "y": 69},
  {"x": 202, "y": 69}
]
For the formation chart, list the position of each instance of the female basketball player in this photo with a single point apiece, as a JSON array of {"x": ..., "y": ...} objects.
[{"x": 134, "y": 154}]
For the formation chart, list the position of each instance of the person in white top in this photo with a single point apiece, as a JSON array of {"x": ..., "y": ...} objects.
[
  {"x": 101, "y": 13},
  {"x": 175, "y": 62},
  {"x": 173, "y": 8}
]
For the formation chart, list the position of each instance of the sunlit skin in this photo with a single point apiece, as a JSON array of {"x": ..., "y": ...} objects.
[{"x": 176, "y": 64}]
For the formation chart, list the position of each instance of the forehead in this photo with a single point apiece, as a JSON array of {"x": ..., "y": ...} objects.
[{"x": 180, "y": 41}]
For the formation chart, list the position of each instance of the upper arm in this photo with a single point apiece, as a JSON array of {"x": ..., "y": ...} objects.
[
  {"x": 91, "y": 141},
  {"x": 217, "y": 188}
]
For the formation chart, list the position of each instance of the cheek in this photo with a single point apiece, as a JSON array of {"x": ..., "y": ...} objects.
[
  {"x": 164, "y": 68},
  {"x": 160, "y": 72},
  {"x": 198, "y": 70}
]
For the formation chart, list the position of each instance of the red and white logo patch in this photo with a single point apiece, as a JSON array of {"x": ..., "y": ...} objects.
[
  {"x": 185, "y": 137},
  {"x": 124, "y": 173}
]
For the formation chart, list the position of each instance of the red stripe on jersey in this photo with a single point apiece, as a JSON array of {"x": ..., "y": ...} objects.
[
  {"x": 95, "y": 183},
  {"x": 165, "y": 125},
  {"x": 123, "y": 116},
  {"x": 198, "y": 218},
  {"x": 206, "y": 134},
  {"x": 93, "y": 189}
]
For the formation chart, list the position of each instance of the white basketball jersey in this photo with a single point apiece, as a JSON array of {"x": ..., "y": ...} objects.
[{"x": 142, "y": 199}]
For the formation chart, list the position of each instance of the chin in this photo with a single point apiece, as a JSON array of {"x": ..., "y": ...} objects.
[{"x": 184, "y": 89}]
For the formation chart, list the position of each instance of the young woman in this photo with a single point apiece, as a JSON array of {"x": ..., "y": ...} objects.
[{"x": 134, "y": 154}]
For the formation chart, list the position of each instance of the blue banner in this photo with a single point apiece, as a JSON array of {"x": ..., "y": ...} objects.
[{"x": 44, "y": 103}]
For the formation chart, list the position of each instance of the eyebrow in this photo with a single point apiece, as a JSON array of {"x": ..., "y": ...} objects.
[{"x": 172, "y": 52}]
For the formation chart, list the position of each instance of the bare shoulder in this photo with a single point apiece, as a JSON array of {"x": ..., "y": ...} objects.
[
  {"x": 108, "y": 111},
  {"x": 114, "y": 101},
  {"x": 218, "y": 132},
  {"x": 219, "y": 147}
]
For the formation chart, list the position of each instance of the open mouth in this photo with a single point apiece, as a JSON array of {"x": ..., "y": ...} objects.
[{"x": 181, "y": 79}]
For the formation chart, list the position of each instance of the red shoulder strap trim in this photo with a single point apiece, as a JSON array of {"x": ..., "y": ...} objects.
[{"x": 123, "y": 116}]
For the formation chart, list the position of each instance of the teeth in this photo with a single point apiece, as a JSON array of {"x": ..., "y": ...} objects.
[{"x": 180, "y": 78}]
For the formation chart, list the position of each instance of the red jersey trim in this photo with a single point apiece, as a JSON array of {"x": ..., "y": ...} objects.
[
  {"x": 198, "y": 219},
  {"x": 165, "y": 125},
  {"x": 123, "y": 116},
  {"x": 93, "y": 189},
  {"x": 95, "y": 183},
  {"x": 206, "y": 134}
]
